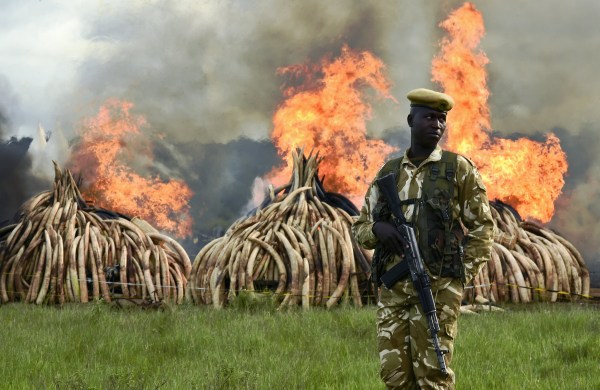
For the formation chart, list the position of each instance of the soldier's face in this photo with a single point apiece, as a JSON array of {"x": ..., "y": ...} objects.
[{"x": 427, "y": 126}]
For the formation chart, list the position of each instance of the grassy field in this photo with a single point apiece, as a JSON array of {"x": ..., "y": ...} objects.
[{"x": 252, "y": 346}]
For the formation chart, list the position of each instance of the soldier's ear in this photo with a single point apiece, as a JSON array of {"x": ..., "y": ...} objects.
[{"x": 409, "y": 119}]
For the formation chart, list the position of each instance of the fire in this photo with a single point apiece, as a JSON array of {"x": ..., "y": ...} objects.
[
  {"x": 327, "y": 113},
  {"x": 110, "y": 144},
  {"x": 526, "y": 174}
]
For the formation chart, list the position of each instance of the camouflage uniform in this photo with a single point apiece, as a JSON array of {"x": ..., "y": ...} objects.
[{"x": 408, "y": 359}]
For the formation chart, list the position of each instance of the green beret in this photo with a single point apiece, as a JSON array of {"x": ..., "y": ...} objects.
[{"x": 438, "y": 101}]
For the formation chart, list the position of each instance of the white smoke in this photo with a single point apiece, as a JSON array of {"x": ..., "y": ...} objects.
[{"x": 205, "y": 72}]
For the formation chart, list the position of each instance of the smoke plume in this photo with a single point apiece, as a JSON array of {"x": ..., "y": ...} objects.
[
  {"x": 17, "y": 182},
  {"x": 204, "y": 75}
]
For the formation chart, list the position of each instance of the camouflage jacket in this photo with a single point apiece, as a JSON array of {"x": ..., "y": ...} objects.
[{"x": 470, "y": 202}]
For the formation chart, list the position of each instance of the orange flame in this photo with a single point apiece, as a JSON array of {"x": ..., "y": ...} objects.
[
  {"x": 327, "y": 114},
  {"x": 110, "y": 144},
  {"x": 526, "y": 174}
]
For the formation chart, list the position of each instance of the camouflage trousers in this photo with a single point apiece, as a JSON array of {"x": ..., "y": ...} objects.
[{"x": 408, "y": 359}]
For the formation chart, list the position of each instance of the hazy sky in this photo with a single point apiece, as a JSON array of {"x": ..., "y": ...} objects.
[{"x": 205, "y": 71}]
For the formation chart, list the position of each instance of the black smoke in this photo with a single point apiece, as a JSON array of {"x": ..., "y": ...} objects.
[
  {"x": 17, "y": 179},
  {"x": 221, "y": 176},
  {"x": 577, "y": 215},
  {"x": 205, "y": 73},
  {"x": 17, "y": 183}
]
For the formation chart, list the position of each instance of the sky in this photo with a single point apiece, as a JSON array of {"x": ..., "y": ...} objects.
[{"x": 203, "y": 73}]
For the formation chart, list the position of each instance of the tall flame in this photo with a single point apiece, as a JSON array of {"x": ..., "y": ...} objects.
[
  {"x": 526, "y": 174},
  {"x": 110, "y": 144},
  {"x": 327, "y": 113}
]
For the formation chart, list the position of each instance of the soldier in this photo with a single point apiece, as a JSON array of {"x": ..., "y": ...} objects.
[{"x": 445, "y": 200}]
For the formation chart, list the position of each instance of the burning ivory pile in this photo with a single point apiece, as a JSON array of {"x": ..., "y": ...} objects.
[
  {"x": 62, "y": 250},
  {"x": 529, "y": 262},
  {"x": 298, "y": 245}
]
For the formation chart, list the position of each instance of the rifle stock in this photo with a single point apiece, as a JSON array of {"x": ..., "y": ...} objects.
[{"x": 412, "y": 261}]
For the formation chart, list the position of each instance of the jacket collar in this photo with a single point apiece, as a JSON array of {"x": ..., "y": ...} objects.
[{"x": 436, "y": 155}]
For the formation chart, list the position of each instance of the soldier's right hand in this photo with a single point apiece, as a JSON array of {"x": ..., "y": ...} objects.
[{"x": 390, "y": 237}]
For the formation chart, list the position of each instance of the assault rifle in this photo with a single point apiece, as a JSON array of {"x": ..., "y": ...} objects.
[{"x": 412, "y": 259}]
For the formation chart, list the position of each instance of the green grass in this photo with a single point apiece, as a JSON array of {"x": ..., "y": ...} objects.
[
  {"x": 544, "y": 346},
  {"x": 253, "y": 346}
]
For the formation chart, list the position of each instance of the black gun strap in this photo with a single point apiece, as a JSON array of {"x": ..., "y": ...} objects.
[{"x": 409, "y": 201}]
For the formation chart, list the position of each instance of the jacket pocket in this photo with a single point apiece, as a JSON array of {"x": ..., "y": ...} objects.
[{"x": 451, "y": 330}]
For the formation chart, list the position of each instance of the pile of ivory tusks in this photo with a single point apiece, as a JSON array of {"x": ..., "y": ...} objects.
[
  {"x": 529, "y": 262},
  {"x": 297, "y": 242},
  {"x": 60, "y": 250}
]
